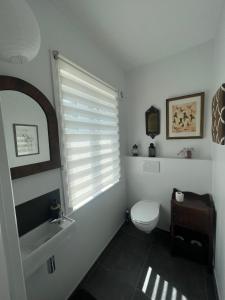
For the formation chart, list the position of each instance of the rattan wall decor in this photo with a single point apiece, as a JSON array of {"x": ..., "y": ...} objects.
[{"x": 218, "y": 116}]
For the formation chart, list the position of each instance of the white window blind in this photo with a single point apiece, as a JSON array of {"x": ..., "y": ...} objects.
[{"x": 88, "y": 111}]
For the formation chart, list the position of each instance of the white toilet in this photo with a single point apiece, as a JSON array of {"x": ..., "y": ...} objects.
[{"x": 145, "y": 215}]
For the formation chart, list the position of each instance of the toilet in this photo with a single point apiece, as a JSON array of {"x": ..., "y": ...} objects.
[{"x": 145, "y": 215}]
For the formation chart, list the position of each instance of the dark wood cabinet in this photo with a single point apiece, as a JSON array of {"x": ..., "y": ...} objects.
[{"x": 192, "y": 229}]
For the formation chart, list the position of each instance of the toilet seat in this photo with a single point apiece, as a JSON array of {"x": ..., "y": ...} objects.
[{"x": 145, "y": 211}]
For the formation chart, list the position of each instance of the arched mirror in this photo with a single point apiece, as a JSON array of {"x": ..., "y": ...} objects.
[{"x": 30, "y": 127}]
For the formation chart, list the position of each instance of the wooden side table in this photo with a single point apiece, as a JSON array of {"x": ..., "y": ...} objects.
[{"x": 193, "y": 227}]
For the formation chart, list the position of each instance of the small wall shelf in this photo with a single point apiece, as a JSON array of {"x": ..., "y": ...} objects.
[{"x": 168, "y": 158}]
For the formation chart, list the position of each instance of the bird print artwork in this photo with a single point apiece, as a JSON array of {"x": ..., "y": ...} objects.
[{"x": 184, "y": 117}]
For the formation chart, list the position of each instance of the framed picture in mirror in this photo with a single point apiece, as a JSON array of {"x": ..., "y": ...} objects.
[{"x": 26, "y": 139}]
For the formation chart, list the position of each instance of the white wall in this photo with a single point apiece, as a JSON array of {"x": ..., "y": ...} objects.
[
  {"x": 182, "y": 74},
  {"x": 187, "y": 175},
  {"x": 99, "y": 219},
  {"x": 218, "y": 155}
]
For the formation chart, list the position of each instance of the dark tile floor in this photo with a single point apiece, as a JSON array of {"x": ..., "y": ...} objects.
[{"x": 136, "y": 266}]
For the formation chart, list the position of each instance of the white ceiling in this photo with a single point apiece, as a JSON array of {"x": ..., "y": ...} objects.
[{"x": 136, "y": 32}]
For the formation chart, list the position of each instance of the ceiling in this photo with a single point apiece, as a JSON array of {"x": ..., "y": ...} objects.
[{"x": 136, "y": 32}]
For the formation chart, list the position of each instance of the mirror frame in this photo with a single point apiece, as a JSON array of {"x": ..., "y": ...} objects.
[
  {"x": 152, "y": 110},
  {"x": 19, "y": 85}
]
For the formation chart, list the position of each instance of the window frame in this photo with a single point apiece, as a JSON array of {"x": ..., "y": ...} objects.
[{"x": 54, "y": 56}]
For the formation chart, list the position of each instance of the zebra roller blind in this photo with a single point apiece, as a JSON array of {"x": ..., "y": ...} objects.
[{"x": 88, "y": 112}]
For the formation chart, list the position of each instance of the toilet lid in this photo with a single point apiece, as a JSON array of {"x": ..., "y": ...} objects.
[{"x": 145, "y": 211}]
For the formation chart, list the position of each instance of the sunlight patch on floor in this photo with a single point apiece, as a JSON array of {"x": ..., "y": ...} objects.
[
  {"x": 165, "y": 288},
  {"x": 156, "y": 286},
  {"x": 147, "y": 278}
]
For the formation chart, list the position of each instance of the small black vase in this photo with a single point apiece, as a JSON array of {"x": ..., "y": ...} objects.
[{"x": 151, "y": 150}]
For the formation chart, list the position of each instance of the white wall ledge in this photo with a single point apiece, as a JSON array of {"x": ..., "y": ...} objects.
[{"x": 168, "y": 158}]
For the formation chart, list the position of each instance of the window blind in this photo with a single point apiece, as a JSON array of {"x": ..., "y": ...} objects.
[{"x": 89, "y": 134}]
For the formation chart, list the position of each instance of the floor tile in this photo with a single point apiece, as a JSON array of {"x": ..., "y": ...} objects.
[
  {"x": 125, "y": 258},
  {"x": 139, "y": 295},
  {"x": 137, "y": 266},
  {"x": 181, "y": 276},
  {"x": 106, "y": 285}
]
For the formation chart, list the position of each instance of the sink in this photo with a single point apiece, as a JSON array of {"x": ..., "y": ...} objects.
[{"x": 40, "y": 243}]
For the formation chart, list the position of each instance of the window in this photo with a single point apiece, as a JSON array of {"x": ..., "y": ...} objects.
[{"x": 88, "y": 116}]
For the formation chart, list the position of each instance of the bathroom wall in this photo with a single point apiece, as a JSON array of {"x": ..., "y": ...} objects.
[
  {"x": 218, "y": 156},
  {"x": 185, "y": 73},
  {"x": 187, "y": 175},
  {"x": 98, "y": 220}
]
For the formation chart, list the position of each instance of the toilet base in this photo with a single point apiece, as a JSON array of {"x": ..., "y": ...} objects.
[{"x": 147, "y": 228}]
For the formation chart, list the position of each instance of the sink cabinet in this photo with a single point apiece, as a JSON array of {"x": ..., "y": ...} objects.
[{"x": 38, "y": 245}]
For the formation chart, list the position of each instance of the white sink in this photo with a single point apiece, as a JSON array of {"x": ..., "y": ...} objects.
[{"x": 38, "y": 245}]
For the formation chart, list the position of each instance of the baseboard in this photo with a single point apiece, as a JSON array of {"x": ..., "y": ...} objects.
[{"x": 95, "y": 259}]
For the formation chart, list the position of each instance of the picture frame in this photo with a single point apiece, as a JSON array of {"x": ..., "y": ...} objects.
[
  {"x": 185, "y": 116},
  {"x": 26, "y": 139}
]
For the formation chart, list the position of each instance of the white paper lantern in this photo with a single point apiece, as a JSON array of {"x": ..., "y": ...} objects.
[{"x": 19, "y": 32}]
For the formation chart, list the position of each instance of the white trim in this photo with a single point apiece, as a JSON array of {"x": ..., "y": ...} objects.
[
  {"x": 56, "y": 96},
  {"x": 9, "y": 227}
]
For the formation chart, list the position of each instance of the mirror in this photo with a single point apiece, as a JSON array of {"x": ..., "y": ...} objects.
[
  {"x": 152, "y": 120},
  {"x": 30, "y": 127},
  {"x": 25, "y": 128}
]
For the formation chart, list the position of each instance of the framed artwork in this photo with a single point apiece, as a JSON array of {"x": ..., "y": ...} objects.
[
  {"x": 26, "y": 139},
  {"x": 185, "y": 117}
]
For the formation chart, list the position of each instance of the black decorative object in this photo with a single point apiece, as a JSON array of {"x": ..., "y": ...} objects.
[
  {"x": 55, "y": 209},
  {"x": 135, "y": 150},
  {"x": 151, "y": 150},
  {"x": 152, "y": 121}
]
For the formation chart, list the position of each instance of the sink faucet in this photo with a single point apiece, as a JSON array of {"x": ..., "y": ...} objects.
[{"x": 61, "y": 219}]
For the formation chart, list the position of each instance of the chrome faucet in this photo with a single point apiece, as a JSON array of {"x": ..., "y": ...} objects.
[{"x": 61, "y": 219}]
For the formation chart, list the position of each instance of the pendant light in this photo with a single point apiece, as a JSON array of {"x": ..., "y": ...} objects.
[{"x": 19, "y": 32}]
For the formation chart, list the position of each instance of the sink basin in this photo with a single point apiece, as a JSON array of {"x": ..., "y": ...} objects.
[{"x": 39, "y": 244}]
